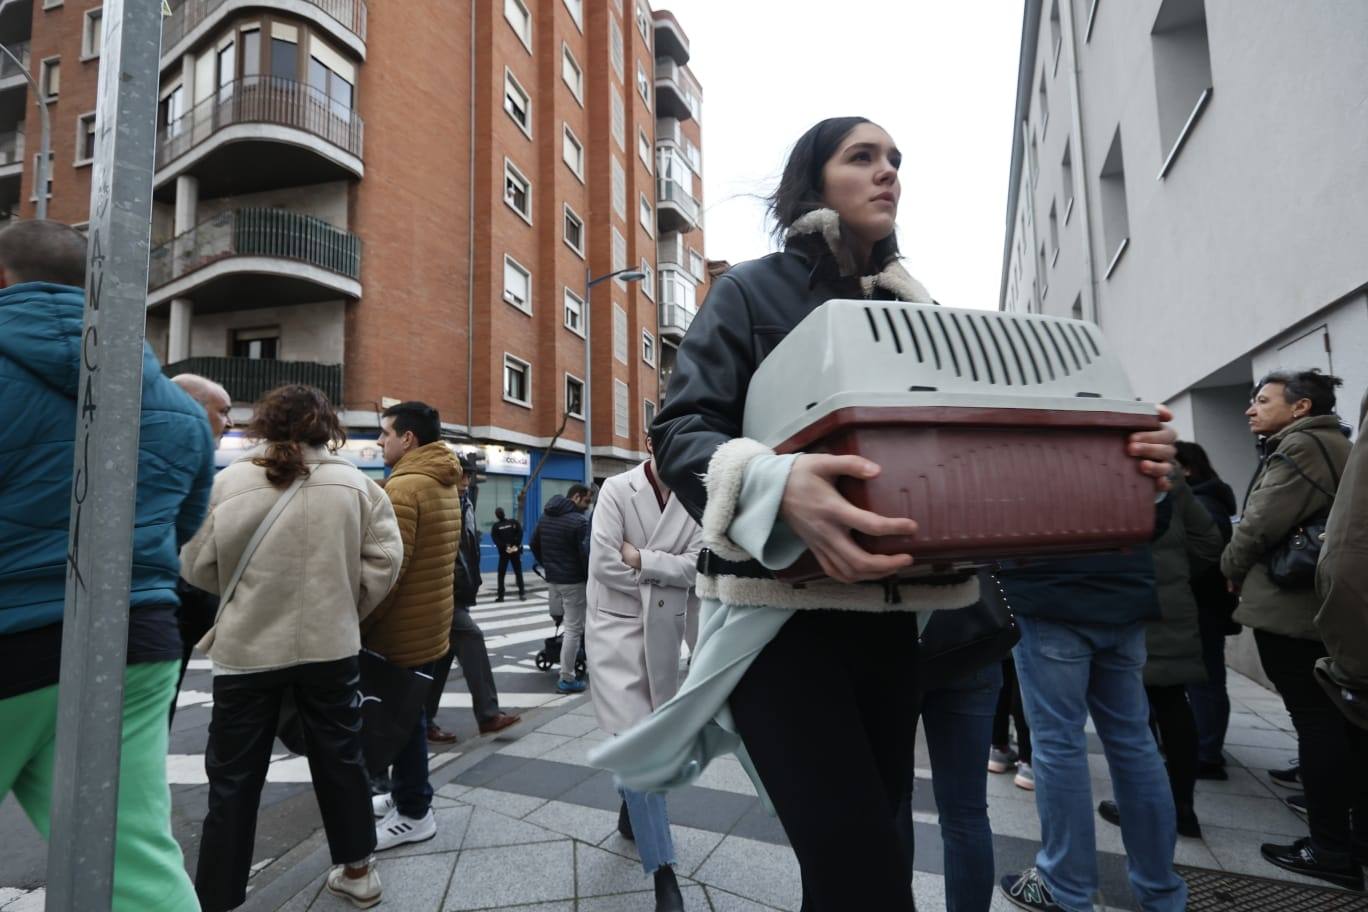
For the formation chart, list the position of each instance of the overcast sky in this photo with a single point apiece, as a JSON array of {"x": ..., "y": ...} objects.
[{"x": 939, "y": 76}]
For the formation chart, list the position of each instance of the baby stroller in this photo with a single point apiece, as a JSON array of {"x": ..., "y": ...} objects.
[{"x": 549, "y": 657}]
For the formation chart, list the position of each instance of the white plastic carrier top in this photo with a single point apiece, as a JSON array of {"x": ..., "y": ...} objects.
[{"x": 850, "y": 353}]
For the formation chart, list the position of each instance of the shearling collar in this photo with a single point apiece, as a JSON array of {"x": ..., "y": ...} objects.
[{"x": 816, "y": 235}]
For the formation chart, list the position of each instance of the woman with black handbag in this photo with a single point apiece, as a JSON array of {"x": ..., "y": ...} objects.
[
  {"x": 300, "y": 546},
  {"x": 1304, "y": 455}
]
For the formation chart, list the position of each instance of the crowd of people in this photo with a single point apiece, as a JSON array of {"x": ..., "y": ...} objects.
[{"x": 307, "y": 583}]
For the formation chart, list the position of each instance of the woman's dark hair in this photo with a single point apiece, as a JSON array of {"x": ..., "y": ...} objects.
[
  {"x": 1305, "y": 384},
  {"x": 1192, "y": 457},
  {"x": 288, "y": 418},
  {"x": 800, "y": 189}
]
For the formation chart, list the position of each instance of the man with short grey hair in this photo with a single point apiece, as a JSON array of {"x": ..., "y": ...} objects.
[{"x": 218, "y": 405}]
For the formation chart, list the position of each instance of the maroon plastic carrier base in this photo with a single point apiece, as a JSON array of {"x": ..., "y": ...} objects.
[{"x": 988, "y": 484}]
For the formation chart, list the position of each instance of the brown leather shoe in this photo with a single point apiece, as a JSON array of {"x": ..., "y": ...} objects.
[
  {"x": 438, "y": 735},
  {"x": 499, "y": 723}
]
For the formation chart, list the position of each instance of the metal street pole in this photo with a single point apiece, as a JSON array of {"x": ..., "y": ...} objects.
[
  {"x": 39, "y": 173},
  {"x": 80, "y": 871},
  {"x": 628, "y": 275}
]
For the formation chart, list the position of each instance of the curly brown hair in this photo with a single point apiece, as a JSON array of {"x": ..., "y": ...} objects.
[{"x": 287, "y": 418}]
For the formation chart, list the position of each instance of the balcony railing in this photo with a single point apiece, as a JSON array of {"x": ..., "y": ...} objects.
[
  {"x": 274, "y": 233},
  {"x": 247, "y": 379},
  {"x": 186, "y": 14},
  {"x": 262, "y": 99},
  {"x": 8, "y": 68},
  {"x": 12, "y": 146},
  {"x": 669, "y": 190},
  {"x": 670, "y": 250}
]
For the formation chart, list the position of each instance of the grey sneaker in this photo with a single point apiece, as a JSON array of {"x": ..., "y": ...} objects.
[
  {"x": 1025, "y": 777},
  {"x": 1001, "y": 759},
  {"x": 1027, "y": 891}
]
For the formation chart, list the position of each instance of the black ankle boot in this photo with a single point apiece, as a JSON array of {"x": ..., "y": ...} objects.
[
  {"x": 1187, "y": 822},
  {"x": 668, "y": 897},
  {"x": 625, "y": 823},
  {"x": 1302, "y": 858}
]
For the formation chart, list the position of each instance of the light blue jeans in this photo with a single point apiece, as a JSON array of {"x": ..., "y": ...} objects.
[
  {"x": 1067, "y": 671},
  {"x": 651, "y": 827}
]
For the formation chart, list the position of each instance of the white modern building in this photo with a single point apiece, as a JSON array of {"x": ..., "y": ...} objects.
[{"x": 1192, "y": 175}]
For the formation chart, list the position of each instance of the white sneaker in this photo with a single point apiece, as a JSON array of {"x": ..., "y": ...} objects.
[
  {"x": 363, "y": 892},
  {"x": 396, "y": 830},
  {"x": 1025, "y": 777},
  {"x": 381, "y": 805}
]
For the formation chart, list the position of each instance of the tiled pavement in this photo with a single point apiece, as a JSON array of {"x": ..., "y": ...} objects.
[{"x": 529, "y": 827}]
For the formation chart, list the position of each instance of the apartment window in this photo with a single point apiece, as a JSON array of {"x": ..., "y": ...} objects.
[
  {"x": 1182, "y": 72},
  {"x": 576, "y": 8},
  {"x": 1044, "y": 104},
  {"x": 226, "y": 66},
  {"x": 284, "y": 52},
  {"x": 517, "y": 103},
  {"x": 618, "y": 124},
  {"x": 517, "y": 284},
  {"x": 619, "y": 254},
  {"x": 648, "y": 279},
  {"x": 85, "y": 139},
  {"x": 334, "y": 78},
  {"x": 50, "y": 76},
  {"x": 517, "y": 15},
  {"x": 517, "y": 191},
  {"x": 643, "y": 85},
  {"x": 615, "y": 53},
  {"x": 574, "y": 231},
  {"x": 1115, "y": 218},
  {"x": 1056, "y": 34},
  {"x": 619, "y": 334},
  {"x": 574, "y": 397},
  {"x": 262, "y": 344},
  {"x": 1054, "y": 234},
  {"x": 643, "y": 21},
  {"x": 1077, "y": 311},
  {"x": 1044, "y": 284},
  {"x": 648, "y": 413},
  {"x": 51, "y": 4},
  {"x": 571, "y": 73},
  {"x": 648, "y": 348},
  {"x": 574, "y": 312},
  {"x": 34, "y": 195},
  {"x": 621, "y": 413},
  {"x": 619, "y": 188},
  {"x": 517, "y": 381},
  {"x": 697, "y": 266},
  {"x": 572, "y": 151},
  {"x": 1066, "y": 175},
  {"x": 644, "y": 148},
  {"x": 92, "y": 33},
  {"x": 1035, "y": 159},
  {"x": 693, "y": 155},
  {"x": 172, "y": 110},
  {"x": 1092, "y": 16},
  {"x": 646, "y": 214},
  {"x": 251, "y": 52}
]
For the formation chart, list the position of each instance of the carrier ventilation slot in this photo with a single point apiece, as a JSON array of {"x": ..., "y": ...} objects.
[
  {"x": 912, "y": 334},
  {"x": 873, "y": 324},
  {"x": 968, "y": 352},
  {"x": 987, "y": 361},
  {"x": 893, "y": 331},
  {"x": 1068, "y": 343},
  {"x": 1002, "y": 356},
  {"x": 930, "y": 337},
  {"x": 1082, "y": 337},
  {"x": 1030, "y": 353},
  {"x": 949, "y": 346},
  {"x": 1054, "y": 343}
]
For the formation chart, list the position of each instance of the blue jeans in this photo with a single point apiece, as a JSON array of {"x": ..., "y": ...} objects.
[
  {"x": 1067, "y": 671},
  {"x": 958, "y": 720},
  {"x": 651, "y": 827}
]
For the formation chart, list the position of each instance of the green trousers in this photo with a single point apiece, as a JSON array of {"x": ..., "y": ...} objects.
[{"x": 149, "y": 870}]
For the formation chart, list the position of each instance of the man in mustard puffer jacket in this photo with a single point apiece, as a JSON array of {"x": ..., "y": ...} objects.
[{"x": 411, "y": 628}]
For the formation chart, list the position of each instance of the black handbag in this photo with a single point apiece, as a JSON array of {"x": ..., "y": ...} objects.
[
  {"x": 391, "y": 700},
  {"x": 960, "y": 641},
  {"x": 1292, "y": 562}
]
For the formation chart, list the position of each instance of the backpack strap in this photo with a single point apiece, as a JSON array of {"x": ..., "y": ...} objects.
[{"x": 276, "y": 509}]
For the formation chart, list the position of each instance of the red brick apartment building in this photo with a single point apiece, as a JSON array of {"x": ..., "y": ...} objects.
[{"x": 403, "y": 199}]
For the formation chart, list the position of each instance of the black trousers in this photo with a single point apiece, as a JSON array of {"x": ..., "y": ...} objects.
[
  {"x": 1172, "y": 715},
  {"x": 468, "y": 648},
  {"x": 851, "y": 675},
  {"x": 241, "y": 734},
  {"x": 1332, "y": 751},
  {"x": 516, "y": 561},
  {"x": 1010, "y": 710}
]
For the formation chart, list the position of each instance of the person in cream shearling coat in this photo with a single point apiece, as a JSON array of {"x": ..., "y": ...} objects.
[{"x": 643, "y": 558}]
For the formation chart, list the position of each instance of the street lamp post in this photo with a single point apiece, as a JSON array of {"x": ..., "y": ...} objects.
[
  {"x": 40, "y": 173},
  {"x": 627, "y": 275}
]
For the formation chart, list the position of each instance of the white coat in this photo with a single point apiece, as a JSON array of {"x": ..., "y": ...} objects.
[{"x": 637, "y": 619}]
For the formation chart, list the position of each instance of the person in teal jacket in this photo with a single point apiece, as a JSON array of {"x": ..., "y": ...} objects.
[{"x": 42, "y": 266}]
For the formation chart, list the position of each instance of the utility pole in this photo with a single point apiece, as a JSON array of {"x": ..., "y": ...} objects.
[
  {"x": 80, "y": 871},
  {"x": 627, "y": 275}
]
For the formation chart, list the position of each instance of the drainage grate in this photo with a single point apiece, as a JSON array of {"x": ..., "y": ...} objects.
[{"x": 1220, "y": 891}]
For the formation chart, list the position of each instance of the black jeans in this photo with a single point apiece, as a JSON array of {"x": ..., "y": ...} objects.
[
  {"x": 1210, "y": 701},
  {"x": 468, "y": 648},
  {"x": 853, "y": 676},
  {"x": 1172, "y": 716},
  {"x": 1009, "y": 709},
  {"x": 1332, "y": 751},
  {"x": 241, "y": 733},
  {"x": 516, "y": 561}
]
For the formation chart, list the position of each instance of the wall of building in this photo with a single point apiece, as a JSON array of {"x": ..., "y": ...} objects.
[{"x": 308, "y": 332}]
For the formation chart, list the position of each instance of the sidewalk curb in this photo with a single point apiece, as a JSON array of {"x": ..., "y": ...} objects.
[{"x": 309, "y": 859}]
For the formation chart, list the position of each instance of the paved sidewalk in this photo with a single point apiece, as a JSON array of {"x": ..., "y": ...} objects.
[{"x": 528, "y": 826}]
